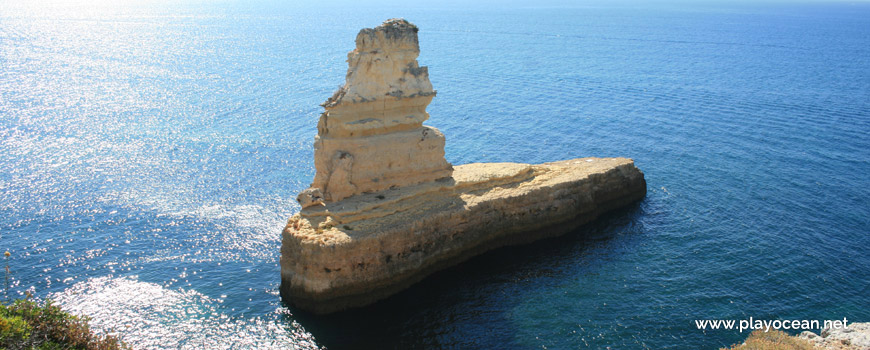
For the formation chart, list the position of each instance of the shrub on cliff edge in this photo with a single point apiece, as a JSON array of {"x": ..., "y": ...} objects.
[{"x": 27, "y": 324}]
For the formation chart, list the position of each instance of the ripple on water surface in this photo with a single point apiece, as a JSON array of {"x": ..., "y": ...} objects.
[
  {"x": 151, "y": 151},
  {"x": 151, "y": 316}
]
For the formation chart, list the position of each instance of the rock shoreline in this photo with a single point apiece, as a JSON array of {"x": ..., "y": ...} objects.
[
  {"x": 357, "y": 251},
  {"x": 854, "y": 337}
]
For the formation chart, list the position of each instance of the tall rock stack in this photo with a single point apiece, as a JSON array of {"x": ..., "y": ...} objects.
[
  {"x": 386, "y": 209},
  {"x": 371, "y": 136}
]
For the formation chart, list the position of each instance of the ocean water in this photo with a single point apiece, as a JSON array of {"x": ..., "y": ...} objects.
[{"x": 150, "y": 153}]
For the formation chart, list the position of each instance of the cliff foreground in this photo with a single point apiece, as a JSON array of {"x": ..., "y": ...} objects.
[
  {"x": 854, "y": 337},
  {"x": 386, "y": 209}
]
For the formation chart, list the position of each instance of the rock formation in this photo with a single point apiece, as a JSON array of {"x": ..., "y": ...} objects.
[
  {"x": 371, "y": 136},
  {"x": 386, "y": 209},
  {"x": 854, "y": 337},
  {"x": 833, "y": 337}
]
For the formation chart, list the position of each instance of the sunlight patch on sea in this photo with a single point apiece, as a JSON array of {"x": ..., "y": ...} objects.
[{"x": 150, "y": 316}]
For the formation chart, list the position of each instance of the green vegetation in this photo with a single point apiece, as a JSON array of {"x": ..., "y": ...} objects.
[
  {"x": 772, "y": 340},
  {"x": 27, "y": 324}
]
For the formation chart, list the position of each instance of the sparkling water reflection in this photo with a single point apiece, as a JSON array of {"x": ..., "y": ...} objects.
[
  {"x": 150, "y": 152},
  {"x": 154, "y": 317}
]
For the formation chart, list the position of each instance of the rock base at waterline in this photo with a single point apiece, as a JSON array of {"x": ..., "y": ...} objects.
[{"x": 356, "y": 251}]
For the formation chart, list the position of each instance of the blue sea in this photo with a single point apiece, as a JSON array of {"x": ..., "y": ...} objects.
[{"x": 151, "y": 152}]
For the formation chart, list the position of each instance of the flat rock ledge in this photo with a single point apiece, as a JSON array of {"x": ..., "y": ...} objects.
[{"x": 366, "y": 247}]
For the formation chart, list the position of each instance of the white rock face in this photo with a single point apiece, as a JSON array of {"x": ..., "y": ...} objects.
[
  {"x": 384, "y": 63},
  {"x": 854, "y": 337},
  {"x": 371, "y": 136}
]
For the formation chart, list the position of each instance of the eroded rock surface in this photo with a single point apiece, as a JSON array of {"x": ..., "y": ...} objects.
[
  {"x": 854, "y": 337},
  {"x": 371, "y": 136},
  {"x": 367, "y": 247},
  {"x": 386, "y": 209}
]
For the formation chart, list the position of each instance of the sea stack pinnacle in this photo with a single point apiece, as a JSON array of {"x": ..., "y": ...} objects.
[
  {"x": 371, "y": 136},
  {"x": 386, "y": 209}
]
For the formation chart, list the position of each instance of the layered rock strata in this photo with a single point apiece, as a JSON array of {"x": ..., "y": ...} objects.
[
  {"x": 364, "y": 248},
  {"x": 386, "y": 209},
  {"x": 371, "y": 136}
]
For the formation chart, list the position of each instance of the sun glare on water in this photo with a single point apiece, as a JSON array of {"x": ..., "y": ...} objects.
[{"x": 149, "y": 316}]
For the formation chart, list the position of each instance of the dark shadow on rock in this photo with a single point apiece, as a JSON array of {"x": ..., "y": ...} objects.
[{"x": 474, "y": 293}]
